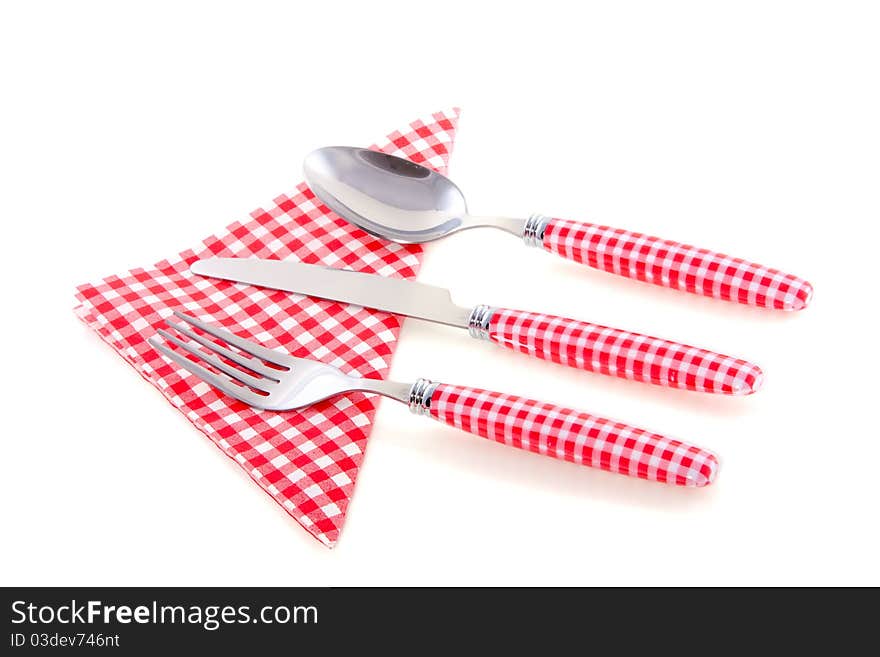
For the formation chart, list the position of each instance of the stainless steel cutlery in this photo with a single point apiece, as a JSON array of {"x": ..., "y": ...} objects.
[{"x": 403, "y": 201}]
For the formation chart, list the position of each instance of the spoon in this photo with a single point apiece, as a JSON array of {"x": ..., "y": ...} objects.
[{"x": 399, "y": 200}]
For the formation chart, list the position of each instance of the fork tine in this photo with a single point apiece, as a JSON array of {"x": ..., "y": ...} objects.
[
  {"x": 251, "y": 362},
  {"x": 245, "y": 345},
  {"x": 220, "y": 382},
  {"x": 241, "y": 377}
]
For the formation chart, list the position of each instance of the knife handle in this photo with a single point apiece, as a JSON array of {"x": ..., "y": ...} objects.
[
  {"x": 669, "y": 264},
  {"x": 615, "y": 352},
  {"x": 566, "y": 434}
]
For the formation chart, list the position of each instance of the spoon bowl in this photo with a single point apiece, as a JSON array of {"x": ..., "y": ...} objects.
[{"x": 388, "y": 196}]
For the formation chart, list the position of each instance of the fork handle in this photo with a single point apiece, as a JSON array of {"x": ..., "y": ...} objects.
[
  {"x": 565, "y": 434},
  {"x": 669, "y": 264}
]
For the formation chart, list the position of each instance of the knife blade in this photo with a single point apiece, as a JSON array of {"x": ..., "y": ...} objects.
[
  {"x": 570, "y": 342},
  {"x": 393, "y": 295}
]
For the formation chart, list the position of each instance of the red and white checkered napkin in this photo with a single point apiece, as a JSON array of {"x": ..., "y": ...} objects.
[{"x": 306, "y": 460}]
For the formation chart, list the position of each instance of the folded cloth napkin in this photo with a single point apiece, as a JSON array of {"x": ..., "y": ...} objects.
[{"x": 306, "y": 460}]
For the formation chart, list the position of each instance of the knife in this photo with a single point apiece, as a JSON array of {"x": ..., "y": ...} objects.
[{"x": 570, "y": 342}]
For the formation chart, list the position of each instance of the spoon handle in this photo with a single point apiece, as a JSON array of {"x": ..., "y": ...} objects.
[
  {"x": 618, "y": 353},
  {"x": 670, "y": 264},
  {"x": 570, "y": 435}
]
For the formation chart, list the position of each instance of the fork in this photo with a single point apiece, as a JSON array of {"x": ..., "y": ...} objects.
[{"x": 270, "y": 380}]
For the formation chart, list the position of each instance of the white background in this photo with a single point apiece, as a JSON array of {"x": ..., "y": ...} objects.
[{"x": 749, "y": 127}]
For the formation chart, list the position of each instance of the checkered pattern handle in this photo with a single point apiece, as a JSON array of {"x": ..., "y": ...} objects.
[
  {"x": 622, "y": 354},
  {"x": 677, "y": 266},
  {"x": 573, "y": 436}
]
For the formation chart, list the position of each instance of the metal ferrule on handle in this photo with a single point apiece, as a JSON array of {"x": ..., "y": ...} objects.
[
  {"x": 420, "y": 396},
  {"x": 480, "y": 321},
  {"x": 533, "y": 233}
]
